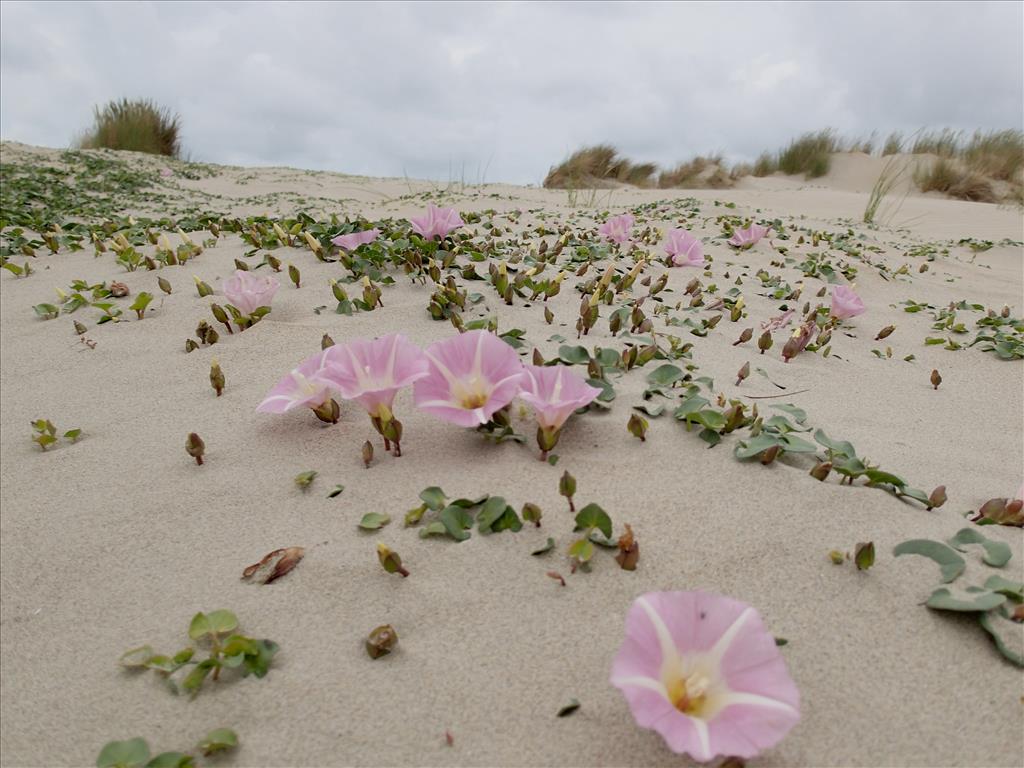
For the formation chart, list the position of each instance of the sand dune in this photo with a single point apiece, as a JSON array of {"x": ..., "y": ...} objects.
[{"x": 118, "y": 539}]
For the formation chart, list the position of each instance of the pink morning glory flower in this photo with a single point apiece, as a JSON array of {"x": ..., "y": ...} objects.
[
  {"x": 747, "y": 238},
  {"x": 470, "y": 377},
  {"x": 437, "y": 221},
  {"x": 845, "y": 303},
  {"x": 554, "y": 392},
  {"x": 247, "y": 292},
  {"x": 372, "y": 372},
  {"x": 305, "y": 385},
  {"x": 354, "y": 240},
  {"x": 617, "y": 228},
  {"x": 684, "y": 249},
  {"x": 702, "y": 670}
]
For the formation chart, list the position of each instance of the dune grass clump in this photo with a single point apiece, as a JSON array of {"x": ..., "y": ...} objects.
[
  {"x": 700, "y": 172},
  {"x": 138, "y": 125},
  {"x": 893, "y": 144},
  {"x": 951, "y": 177},
  {"x": 598, "y": 166},
  {"x": 997, "y": 154},
  {"x": 809, "y": 154}
]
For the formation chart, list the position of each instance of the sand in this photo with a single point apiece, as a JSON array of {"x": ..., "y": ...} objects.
[{"x": 119, "y": 539}]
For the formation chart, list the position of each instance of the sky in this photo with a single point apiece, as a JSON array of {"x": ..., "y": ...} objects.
[{"x": 501, "y": 91}]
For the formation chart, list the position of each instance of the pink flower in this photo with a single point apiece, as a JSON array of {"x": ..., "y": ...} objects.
[
  {"x": 247, "y": 293},
  {"x": 166, "y": 172},
  {"x": 306, "y": 385},
  {"x": 554, "y": 392},
  {"x": 471, "y": 376},
  {"x": 684, "y": 249},
  {"x": 1020, "y": 492},
  {"x": 354, "y": 240},
  {"x": 845, "y": 303},
  {"x": 617, "y": 228},
  {"x": 438, "y": 221},
  {"x": 702, "y": 670},
  {"x": 372, "y": 372},
  {"x": 746, "y": 238}
]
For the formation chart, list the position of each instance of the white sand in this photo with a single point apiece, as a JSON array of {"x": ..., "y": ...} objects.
[{"x": 117, "y": 540}]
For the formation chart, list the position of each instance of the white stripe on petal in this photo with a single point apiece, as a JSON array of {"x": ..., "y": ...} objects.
[
  {"x": 704, "y": 737},
  {"x": 639, "y": 681},
  {"x": 721, "y": 647},
  {"x": 755, "y": 700},
  {"x": 450, "y": 377},
  {"x": 669, "y": 653}
]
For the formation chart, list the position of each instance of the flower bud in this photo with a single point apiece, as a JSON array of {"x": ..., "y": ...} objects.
[
  {"x": 637, "y": 426},
  {"x": 239, "y": 264},
  {"x": 821, "y": 470},
  {"x": 195, "y": 447},
  {"x": 338, "y": 291},
  {"x": 390, "y": 561},
  {"x": 864, "y": 555},
  {"x": 328, "y": 412},
  {"x": 313, "y": 244},
  {"x": 768, "y": 455},
  {"x": 567, "y": 488},
  {"x": 79, "y": 328},
  {"x": 381, "y": 641},
  {"x": 937, "y": 497},
  {"x": 220, "y": 315},
  {"x": 202, "y": 288},
  {"x": 273, "y": 262},
  {"x": 165, "y": 286},
  {"x": 764, "y": 341},
  {"x": 747, "y": 335},
  {"x": 549, "y": 316},
  {"x": 742, "y": 373},
  {"x": 885, "y": 332},
  {"x": 216, "y": 377},
  {"x": 368, "y": 455},
  {"x": 936, "y": 379},
  {"x": 836, "y": 557},
  {"x": 629, "y": 550},
  {"x": 531, "y": 513},
  {"x": 190, "y": 345},
  {"x": 293, "y": 274}
]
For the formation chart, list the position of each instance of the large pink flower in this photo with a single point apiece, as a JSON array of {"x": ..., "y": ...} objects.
[
  {"x": 437, "y": 222},
  {"x": 617, "y": 228},
  {"x": 746, "y": 238},
  {"x": 684, "y": 249},
  {"x": 702, "y": 670},
  {"x": 372, "y": 372},
  {"x": 471, "y": 376},
  {"x": 305, "y": 385},
  {"x": 845, "y": 303},
  {"x": 554, "y": 392},
  {"x": 354, "y": 240},
  {"x": 247, "y": 292}
]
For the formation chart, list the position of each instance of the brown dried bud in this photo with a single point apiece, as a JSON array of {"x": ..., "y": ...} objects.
[
  {"x": 768, "y": 455},
  {"x": 79, "y": 329},
  {"x": 742, "y": 373},
  {"x": 821, "y": 470},
  {"x": 190, "y": 346},
  {"x": 747, "y": 335},
  {"x": 329, "y": 412},
  {"x": 216, "y": 377},
  {"x": 629, "y": 550},
  {"x": 326, "y": 341},
  {"x": 195, "y": 447},
  {"x": 118, "y": 290},
  {"x": 381, "y": 641},
  {"x": 367, "y": 453},
  {"x": 885, "y": 332},
  {"x": 936, "y": 379}
]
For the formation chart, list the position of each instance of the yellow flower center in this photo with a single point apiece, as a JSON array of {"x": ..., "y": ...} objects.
[
  {"x": 471, "y": 394},
  {"x": 688, "y": 694}
]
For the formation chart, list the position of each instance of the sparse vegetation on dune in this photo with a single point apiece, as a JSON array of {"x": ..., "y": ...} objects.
[
  {"x": 138, "y": 125},
  {"x": 984, "y": 167}
]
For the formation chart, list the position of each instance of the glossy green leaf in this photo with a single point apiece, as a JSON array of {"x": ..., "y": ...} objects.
[
  {"x": 1012, "y": 589},
  {"x": 573, "y": 355},
  {"x": 171, "y": 760},
  {"x": 373, "y": 520},
  {"x": 592, "y": 516},
  {"x": 222, "y": 621},
  {"x": 436, "y": 528},
  {"x": 456, "y": 521},
  {"x": 433, "y": 497},
  {"x": 199, "y": 627},
  {"x": 582, "y": 550},
  {"x": 219, "y": 740},
  {"x": 492, "y": 509},
  {"x": 665, "y": 375},
  {"x": 950, "y": 563}
]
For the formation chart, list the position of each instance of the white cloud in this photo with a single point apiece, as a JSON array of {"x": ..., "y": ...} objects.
[{"x": 430, "y": 89}]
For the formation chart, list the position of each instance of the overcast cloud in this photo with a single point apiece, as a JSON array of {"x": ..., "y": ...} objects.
[{"x": 448, "y": 90}]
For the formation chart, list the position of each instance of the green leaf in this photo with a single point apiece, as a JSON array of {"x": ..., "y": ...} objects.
[
  {"x": 582, "y": 550},
  {"x": 433, "y": 497},
  {"x": 665, "y": 375},
  {"x": 997, "y": 553},
  {"x": 493, "y": 509},
  {"x": 651, "y": 409},
  {"x": 199, "y": 627},
  {"x": 436, "y": 528},
  {"x": 222, "y": 621},
  {"x": 161, "y": 663},
  {"x": 545, "y": 549},
  {"x": 73, "y": 435},
  {"x": 1006, "y": 633},
  {"x": 336, "y": 492},
  {"x": 864, "y": 555},
  {"x": 456, "y": 521},
  {"x": 876, "y": 476},
  {"x": 607, "y": 390},
  {"x": 509, "y": 521},
  {"x": 136, "y": 657},
  {"x": 592, "y": 516},
  {"x": 1012, "y": 589},
  {"x": 123, "y": 754},
  {"x": 171, "y": 760},
  {"x": 969, "y": 600},
  {"x": 373, "y": 520},
  {"x": 46, "y": 311},
  {"x": 258, "y": 663},
  {"x": 219, "y": 740},
  {"x": 573, "y": 355},
  {"x": 950, "y": 563},
  {"x": 141, "y": 301},
  {"x": 194, "y": 679},
  {"x": 797, "y": 413},
  {"x": 837, "y": 447},
  {"x": 184, "y": 656},
  {"x": 748, "y": 449}
]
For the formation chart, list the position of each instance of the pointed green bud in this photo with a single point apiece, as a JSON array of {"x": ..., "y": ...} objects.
[
  {"x": 164, "y": 284},
  {"x": 864, "y": 555},
  {"x": 326, "y": 341},
  {"x": 531, "y": 513},
  {"x": 549, "y": 316},
  {"x": 764, "y": 341},
  {"x": 338, "y": 291},
  {"x": 293, "y": 274},
  {"x": 273, "y": 262},
  {"x": 79, "y": 328},
  {"x": 836, "y": 557},
  {"x": 637, "y": 426},
  {"x": 195, "y": 447},
  {"x": 390, "y": 561},
  {"x": 567, "y": 488},
  {"x": 239, "y": 264},
  {"x": 190, "y": 345},
  {"x": 216, "y": 377},
  {"x": 203, "y": 288},
  {"x": 304, "y": 479}
]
